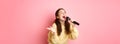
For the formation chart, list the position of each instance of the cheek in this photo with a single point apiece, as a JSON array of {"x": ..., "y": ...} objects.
[{"x": 61, "y": 15}]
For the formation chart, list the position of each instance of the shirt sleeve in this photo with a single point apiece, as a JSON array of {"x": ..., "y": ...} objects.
[
  {"x": 52, "y": 37},
  {"x": 74, "y": 32}
]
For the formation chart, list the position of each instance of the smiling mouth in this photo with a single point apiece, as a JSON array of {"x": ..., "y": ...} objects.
[{"x": 64, "y": 17}]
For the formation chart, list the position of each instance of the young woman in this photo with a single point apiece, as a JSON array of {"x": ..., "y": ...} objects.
[{"x": 61, "y": 30}]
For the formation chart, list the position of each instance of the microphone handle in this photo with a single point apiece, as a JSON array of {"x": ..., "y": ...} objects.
[{"x": 75, "y": 23}]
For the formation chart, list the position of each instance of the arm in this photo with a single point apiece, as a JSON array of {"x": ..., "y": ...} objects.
[
  {"x": 52, "y": 35},
  {"x": 74, "y": 31}
]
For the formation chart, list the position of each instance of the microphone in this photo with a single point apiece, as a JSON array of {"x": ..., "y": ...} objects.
[{"x": 74, "y": 22}]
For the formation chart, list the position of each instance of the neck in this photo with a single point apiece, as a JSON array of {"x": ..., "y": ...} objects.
[{"x": 62, "y": 21}]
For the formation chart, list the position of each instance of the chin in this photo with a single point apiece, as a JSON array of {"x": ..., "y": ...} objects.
[{"x": 62, "y": 19}]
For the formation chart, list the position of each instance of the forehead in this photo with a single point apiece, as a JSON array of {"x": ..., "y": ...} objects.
[{"x": 62, "y": 10}]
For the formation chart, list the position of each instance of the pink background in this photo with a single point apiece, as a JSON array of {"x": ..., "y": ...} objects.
[{"x": 25, "y": 21}]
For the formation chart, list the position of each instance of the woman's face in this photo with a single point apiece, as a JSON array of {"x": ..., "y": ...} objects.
[{"x": 62, "y": 15}]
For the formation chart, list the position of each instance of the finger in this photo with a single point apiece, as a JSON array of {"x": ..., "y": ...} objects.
[{"x": 49, "y": 28}]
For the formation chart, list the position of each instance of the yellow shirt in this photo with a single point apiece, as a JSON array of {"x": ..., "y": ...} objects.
[{"x": 63, "y": 37}]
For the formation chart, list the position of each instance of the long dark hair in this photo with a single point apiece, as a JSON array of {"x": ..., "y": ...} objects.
[{"x": 58, "y": 24}]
